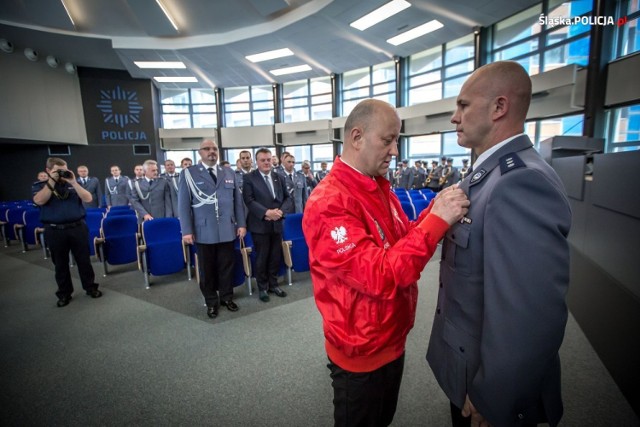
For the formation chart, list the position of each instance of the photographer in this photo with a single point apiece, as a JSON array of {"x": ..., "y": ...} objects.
[{"x": 62, "y": 213}]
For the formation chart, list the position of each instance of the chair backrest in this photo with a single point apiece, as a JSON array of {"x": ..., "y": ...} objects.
[
  {"x": 299, "y": 249},
  {"x": 408, "y": 209},
  {"x": 14, "y": 216},
  {"x": 120, "y": 238},
  {"x": 163, "y": 240},
  {"x": 121, "y": 212},
  {"x": 420, "y": 205},
  {"x": 119, "y": 208},
  {"x": 292, "y": 228},
  {"x": 31, "y": 221},
  {"x": 93, "y": 218}
]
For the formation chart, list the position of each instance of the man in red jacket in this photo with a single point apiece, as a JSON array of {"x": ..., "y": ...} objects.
[{"x": 366, "y": 258}]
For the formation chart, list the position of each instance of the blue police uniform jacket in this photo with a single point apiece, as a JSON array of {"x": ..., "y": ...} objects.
[{"x": 197, "y": 210}]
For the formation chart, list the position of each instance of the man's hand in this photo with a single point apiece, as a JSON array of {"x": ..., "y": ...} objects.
[
  {"x": 147, "y": 217},
  {"x": 477, "y": 420},
  {"x": 242, "y": 231},
  {"x": 451, "y": 204},
  {"x": 188, "y": 239},
  {"x": 273, "y": 214}
]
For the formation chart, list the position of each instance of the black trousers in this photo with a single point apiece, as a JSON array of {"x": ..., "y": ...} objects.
[
  {"x": 215, "y": 265},
  {"x": 366, "y": 399},
  {"x": 76, "y": 240},
  {"x": 268, "y": 259}
]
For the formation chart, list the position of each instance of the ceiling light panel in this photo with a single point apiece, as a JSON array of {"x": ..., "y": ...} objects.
[
  {"x": 176, "y": 79},
  {"x": 290, "y": 70},
  {"x": 272, "y": 54},
  {"x": 160, "y": 64},
  {"x": 416, "y": 32},
  {"x": 380, "y": 14}
]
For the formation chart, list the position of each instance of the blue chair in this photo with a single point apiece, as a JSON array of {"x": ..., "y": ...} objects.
[
  {"x": 162, "y": 251},
  {"x": 118, "y": 208},
  {"x": 416, "y": 196},
  {"x": 120, "y": 212},
  {"x": 420, "y": 205},
  {"x": 408, "y": 209},
  {"x": 13, "y": 221},
  {"x": 27, "y": 231},
  {"x": 294, "y": 246},
  {"x": 118, "y": 241},
  {"x": 245, "y": 258},
  {"x": 93, "y": 219}
]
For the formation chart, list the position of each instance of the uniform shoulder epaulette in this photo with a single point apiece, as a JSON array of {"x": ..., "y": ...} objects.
[{"x": 509, "y": 162}]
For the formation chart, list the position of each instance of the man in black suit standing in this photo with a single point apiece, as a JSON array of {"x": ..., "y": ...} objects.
[{"x": 265, "y": 195}]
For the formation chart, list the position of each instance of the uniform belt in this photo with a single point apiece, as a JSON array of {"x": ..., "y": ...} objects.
[{"x": 65, "y": 225}]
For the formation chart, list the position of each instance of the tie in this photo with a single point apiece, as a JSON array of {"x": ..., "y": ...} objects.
[
  {"x": 84, "y": 181},
  {"x": 270, "y": 185},
  {"x": 116, "y": 180},
  {"x": 150, "y": 182},
  {"x": 213, "y": 176}
]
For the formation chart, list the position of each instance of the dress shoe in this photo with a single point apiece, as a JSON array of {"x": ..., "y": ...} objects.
[
  {"x": 64, "y": 301},
  {"x": 212, "y": 312},
  {"x": 94, "y": 293},
  {"x": 263, "y": 296},
  {"x": 231, "y": 306},
  {"x": 279, "y": 292}
]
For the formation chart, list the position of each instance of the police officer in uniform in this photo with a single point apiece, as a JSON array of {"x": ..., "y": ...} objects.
[
  {"x": 172, "y": 177},
  {"x": 296, "y": 184},
  {"x": 116, "y": 188},
  {"x": 151, "y": 196},
  {"x": 61, "y": 211},
  {"x": 211, "y": 216}
]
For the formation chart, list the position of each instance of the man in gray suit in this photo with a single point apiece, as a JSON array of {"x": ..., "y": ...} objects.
[
  {"x": 116, "y": 188},
  {"x": 92, "y": 185},
  {"x": 151, "y": 195},
  {"x": 211, "y": 216},
  {"x": 172, "y": 177},
  {"x": 501, "y": 310},
  {"x": 296, "y": 184}
]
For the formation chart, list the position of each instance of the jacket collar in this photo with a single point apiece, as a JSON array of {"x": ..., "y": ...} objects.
[{"x": 358, "y": 181}]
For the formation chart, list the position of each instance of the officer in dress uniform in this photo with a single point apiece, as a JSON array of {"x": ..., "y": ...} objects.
[
  {"x": 60, "y": 199},
  {"x": 296, "y": 184},
  {"x": 322, "y": 172},
  {"x": 244, "y": 166},
  {"x": 92, "y": 185},
  {"x": 211, "y": 216},
  {"x": 173, "y": 178},
  {"x": 464, "y": 170},
  {"x": 151, "y": 195},
  {"x": 116, "y": 188}
]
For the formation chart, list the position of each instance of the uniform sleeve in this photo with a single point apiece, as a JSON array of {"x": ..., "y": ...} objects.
[
  {"x": 184, "y": 205},
  {"x": 343, "y": 249},
  {"x": 107, "y": 192},
  {"x": 526, "y": 267},
  {"x": 168, "y": 199},
  {"x": 135, "y": 202}
]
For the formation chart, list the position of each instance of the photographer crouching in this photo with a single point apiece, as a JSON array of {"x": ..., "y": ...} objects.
[{"x": 60, "y": 199}]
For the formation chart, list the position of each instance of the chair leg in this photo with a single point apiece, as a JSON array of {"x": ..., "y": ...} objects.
[
  {"x": 188, "y": 265},
  {"x": 44, "y": 246},
  {"x": 145, "y": 271},
  {"x": 104, "y": 261},
  {"x": 25, "y": 248},
  {"x": 289, "y": 275},
  {"x": 248, "y": 283}
]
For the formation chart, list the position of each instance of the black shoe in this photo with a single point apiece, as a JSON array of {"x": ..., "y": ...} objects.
[
  {"x": 64, "y": 301},
  {"x": 212, "y": 312},
  {"x": 264, "y": 297},
  {"x": 231, "y": 306},
  {"x": 279, "y": 292},
  {"x": 94, "y": 293}
]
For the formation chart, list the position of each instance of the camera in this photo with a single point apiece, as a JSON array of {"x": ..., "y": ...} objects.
[{"x": 63, "y": 173}]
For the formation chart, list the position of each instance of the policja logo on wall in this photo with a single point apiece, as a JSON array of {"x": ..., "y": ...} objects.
[{"x": 120, "y": 107}]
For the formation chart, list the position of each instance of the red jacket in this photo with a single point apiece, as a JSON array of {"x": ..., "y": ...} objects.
[{"x": 365, "y": 258}]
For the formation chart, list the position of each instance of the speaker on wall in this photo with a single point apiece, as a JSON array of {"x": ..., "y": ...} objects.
[
  {"x": 141, "y": 150},
  {"x": 59, "y": 150}
]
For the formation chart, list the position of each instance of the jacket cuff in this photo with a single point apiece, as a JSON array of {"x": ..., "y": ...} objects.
[{"x": 434, "y": 227}]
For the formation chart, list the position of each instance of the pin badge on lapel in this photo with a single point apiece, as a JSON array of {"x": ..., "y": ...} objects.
[{"x": 477, "y": 176}]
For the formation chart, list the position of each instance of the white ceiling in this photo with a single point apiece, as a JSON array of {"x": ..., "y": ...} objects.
[{"x": 215, "y": 35}]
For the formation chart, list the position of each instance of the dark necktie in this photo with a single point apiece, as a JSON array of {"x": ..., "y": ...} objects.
[
  {"x": 150, "y": 182},
  {"x": 84, "y": 181},
  {"x": 270, "y": 185},
  {"x": 116, "y": 180},
  {"x": 213, "y": 176}
]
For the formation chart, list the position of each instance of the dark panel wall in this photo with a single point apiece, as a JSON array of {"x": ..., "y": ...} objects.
[
  {"x": 604, "y": 295},
  {"x": 119, "y": 112}
]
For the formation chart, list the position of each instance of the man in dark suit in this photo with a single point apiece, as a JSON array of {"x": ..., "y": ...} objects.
[
  {"x": 92, "y": 185},
  {"x": 211, "y": 216},
  {"x": 266, "y": 197},
  {"x": 501, "y": 310},
  {"x": 151, "y": 195}
]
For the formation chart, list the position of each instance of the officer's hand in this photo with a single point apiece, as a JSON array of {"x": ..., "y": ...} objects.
[
  {"x": 147, "y": 217},
  {"x": 242, "y": 232},
  {"x": 451, "y": 204},
  {"x": 188, "y": 239}
]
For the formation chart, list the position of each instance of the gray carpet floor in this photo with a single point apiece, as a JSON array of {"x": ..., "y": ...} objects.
[{"x": 151, "y": 357}]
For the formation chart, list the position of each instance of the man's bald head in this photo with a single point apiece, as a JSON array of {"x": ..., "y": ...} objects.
[{"x": 364, "y": 115}]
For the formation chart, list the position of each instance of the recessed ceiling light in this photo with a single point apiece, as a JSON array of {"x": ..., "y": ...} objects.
[
  {"x": 160, "y": 64},
  {"x": 272, "y": 54},
  {"x": 290, "y": 70},
  {"x": 176, "y": 79},
  {"x": 416, "y": 32},
  {"x": 380, "y": 14}
]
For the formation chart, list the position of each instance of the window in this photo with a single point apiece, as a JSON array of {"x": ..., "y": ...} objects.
[
  {"x": 249, "y": 106},
  {"x": 188, "y": 108},
  {"x": 624, "y": 124},
  {"x": 540, "y": 130},
  {"x": 307, "y": 100},
  {"x": 378, "y": 81}
]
